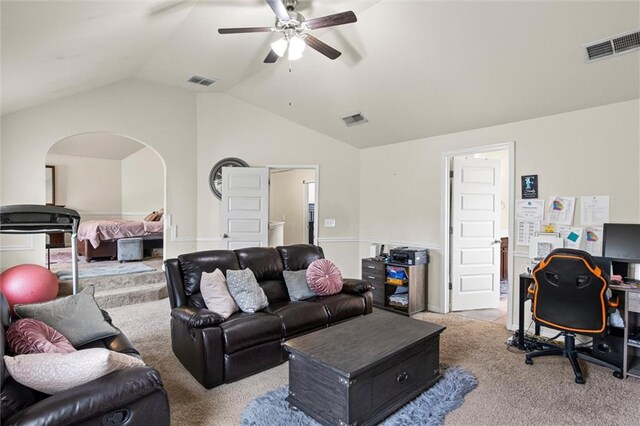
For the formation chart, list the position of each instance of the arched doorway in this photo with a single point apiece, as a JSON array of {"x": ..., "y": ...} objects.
[{"x": 108, "y": 177}]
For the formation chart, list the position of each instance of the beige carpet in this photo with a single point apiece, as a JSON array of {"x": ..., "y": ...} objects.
[{"x": 509, "y": 392}]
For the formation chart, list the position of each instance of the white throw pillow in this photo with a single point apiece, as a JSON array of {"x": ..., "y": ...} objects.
[
  {"x": 213, "y": 286},
  {"x": 52, "y": 373}
]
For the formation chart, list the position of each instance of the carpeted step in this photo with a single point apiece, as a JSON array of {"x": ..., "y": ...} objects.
[
  {"x": 130, "y": 295},
  {"x": 113, "y": 282}
]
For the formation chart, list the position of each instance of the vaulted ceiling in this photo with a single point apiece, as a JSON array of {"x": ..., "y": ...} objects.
[{"x": 413, "y": 68}]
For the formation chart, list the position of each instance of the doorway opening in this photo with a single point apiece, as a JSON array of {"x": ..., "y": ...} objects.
[
  {"x": 293, "y": 205},
  {"x": 112, "y": 180},
  {"x": 497, "y": 256}
]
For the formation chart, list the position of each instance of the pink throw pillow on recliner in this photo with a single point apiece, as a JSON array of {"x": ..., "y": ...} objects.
[
  {"x": 324, "y": 278},
  {"x": 30, "y": 336}
]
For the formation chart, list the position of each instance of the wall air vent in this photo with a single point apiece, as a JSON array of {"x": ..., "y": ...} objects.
[
  {"x": 354, "y": 120},
  {"x": 202, "y": 81},
  {"x": 612, "y": 46}
]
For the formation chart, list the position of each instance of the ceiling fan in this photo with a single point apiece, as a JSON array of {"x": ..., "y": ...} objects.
[{"x": 294, "y": 27}]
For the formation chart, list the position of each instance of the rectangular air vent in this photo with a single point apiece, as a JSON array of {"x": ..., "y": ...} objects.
[
  {"x": 612, "y": 46},
  {"x": 354, "y": 120},
  {"x": 203, "y": 81}
]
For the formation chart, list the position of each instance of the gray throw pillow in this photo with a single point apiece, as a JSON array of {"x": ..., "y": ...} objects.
[
  {"x": 77, "y": 317},
  {"x": 296, "y": 282},
  {"x": 245, "y": 290}
]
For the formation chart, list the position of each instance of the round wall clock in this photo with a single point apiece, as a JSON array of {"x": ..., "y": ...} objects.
[{"x": 215, "y": 176}]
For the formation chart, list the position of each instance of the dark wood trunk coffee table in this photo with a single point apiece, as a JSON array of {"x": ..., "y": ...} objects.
[{"x": 362, "y": 370}]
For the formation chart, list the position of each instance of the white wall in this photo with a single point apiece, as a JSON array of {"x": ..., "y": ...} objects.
[
  {"x": 286, "y": 202},
  {"x": 92, "y": 186},
  {"x": 228, "y": 127},
  {"x": 156, "y": 115},
  {"x": 588, "y": 152},
  {"x": 142, "y": 184}
]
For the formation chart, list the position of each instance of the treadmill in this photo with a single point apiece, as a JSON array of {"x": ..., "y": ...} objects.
[{"x": 42, "y": 219}]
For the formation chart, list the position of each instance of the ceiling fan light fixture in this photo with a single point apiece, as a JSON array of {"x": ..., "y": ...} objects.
[
  {"x": 296, "y": 47},
  {"x": 279, "y": 46}
]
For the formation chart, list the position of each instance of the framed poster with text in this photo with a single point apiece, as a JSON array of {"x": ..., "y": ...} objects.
[{"x": 529, "y": 186}]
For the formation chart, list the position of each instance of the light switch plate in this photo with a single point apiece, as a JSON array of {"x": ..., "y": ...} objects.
[{"x": 329, "y": 223}]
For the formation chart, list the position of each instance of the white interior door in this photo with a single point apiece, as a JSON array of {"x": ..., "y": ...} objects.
[
  {"x": 475, "y": 246},
  {"x": 244, "y": 210}
]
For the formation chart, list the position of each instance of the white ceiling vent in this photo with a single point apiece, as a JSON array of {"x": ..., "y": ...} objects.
[
  {"x": 202, "y": 81},
  {"x": 354, "y": 120},
  {"x": 612, "y": 46}
]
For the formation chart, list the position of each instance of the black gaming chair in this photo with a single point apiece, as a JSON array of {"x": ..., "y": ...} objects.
[{"x": 570, "y": 295}]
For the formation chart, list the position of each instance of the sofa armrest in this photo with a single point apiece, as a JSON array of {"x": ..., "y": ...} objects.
[
  {"x": 108, "y": 395},
  {"x": 355, "y": 286},
  {"x": 196, "y": 317}
]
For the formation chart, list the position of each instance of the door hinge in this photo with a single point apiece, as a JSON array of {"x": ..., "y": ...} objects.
[
  {"x": 451, "y": 230},
  {"x": 451, "y": 174},
  {"x": 450, "y": 286}
]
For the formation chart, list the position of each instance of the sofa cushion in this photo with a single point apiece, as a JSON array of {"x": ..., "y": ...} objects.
[
  {"x": 215, "y": 293},
  {"x": 297, "y": 286},
  {"x": 324, "y": 278},
  {"x": 298, "y": 317},
  {"x": 299, "y": 256},
  {"x": 276, "y": 290},
  {"x": 194, "y": 264},
  {"x": 53, "y": 373},
  {"x": 341, "y": 306},
  {"x": 77, "y": 317},
  {"x": 245, "y": 291},
  {"x": 265, "y": 262},
  {"x": 30, "y": 336},
  {"x": 15, "y": 397},
  {"x": 243, "y": 330}
]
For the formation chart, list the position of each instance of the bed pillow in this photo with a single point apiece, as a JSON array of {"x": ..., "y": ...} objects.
[
  {"x": 324, "y": 278},
  {"x": 296, "y": 282},
  {"x": 77, "y": 317},
  {"x": 213, "y": 286},
  {"x": 245, "y": 290},
  {"x": 53, "y": 373},
  {"x": 30, "y": 336}
]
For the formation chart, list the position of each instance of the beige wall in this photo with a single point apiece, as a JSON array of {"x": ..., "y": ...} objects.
[
  {"x": 286, "y": 202},
  {"x": 92, "y": 186},
  {"x": 228, "y": 127},
  {"x": 588, "y": 152},
  {"x": 159, "y": 116},
  {"x": 142, "y": 184}
]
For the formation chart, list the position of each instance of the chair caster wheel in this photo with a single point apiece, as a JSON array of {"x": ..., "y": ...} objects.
[
  {"x": 580, "y": 380},
  {"x": 618, "y": 374},
  {"x": 528, "y": 360}
]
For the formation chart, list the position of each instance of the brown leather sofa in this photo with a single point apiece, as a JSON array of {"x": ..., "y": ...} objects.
[
  {"x": 216, "y": 351},
  {"x": 134, "y": 396}
]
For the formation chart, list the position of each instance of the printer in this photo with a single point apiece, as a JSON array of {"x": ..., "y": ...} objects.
[{"x": 409, "y": 255}]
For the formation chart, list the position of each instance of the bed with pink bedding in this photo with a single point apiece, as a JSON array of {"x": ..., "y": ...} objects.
[{"x": 98, "y": 238}]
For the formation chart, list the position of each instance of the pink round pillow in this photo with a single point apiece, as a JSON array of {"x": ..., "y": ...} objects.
[
  {"x": 324, "y": 278},
  {"x": 30, "y": 336}
]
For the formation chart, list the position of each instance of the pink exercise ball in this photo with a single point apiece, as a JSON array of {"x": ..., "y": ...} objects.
[{"x": 23, "y": 284}]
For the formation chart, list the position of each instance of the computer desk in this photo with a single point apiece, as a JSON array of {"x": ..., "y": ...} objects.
[{"x": 525, "y": 281}]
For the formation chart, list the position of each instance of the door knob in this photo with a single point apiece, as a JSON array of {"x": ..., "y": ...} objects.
[
  {"x": 496, "y": 242},
  {"x": 225, "y": 236}
]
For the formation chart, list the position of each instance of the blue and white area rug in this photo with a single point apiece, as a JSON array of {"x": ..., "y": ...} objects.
[{"x": 427, "y": 409}]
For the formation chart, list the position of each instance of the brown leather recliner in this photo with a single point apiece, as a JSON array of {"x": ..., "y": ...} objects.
[
  {"x": 216, "y": 351},
  {"x": 134, "y": 396}
]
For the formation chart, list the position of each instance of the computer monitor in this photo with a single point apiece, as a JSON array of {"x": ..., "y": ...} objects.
[{"x": 621, "y": 242}]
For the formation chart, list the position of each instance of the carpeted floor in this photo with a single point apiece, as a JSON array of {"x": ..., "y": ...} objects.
[{"x": 509, "y": 392}]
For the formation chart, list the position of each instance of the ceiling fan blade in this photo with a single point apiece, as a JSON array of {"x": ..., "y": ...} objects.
[
  {"x": 321, "y": 47},
  {"x": 278, "y": 8},
  {"x": 271, "y": 57},
  {"x": 245, "y": 30},
  {"x": 331, "y": 20}
]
